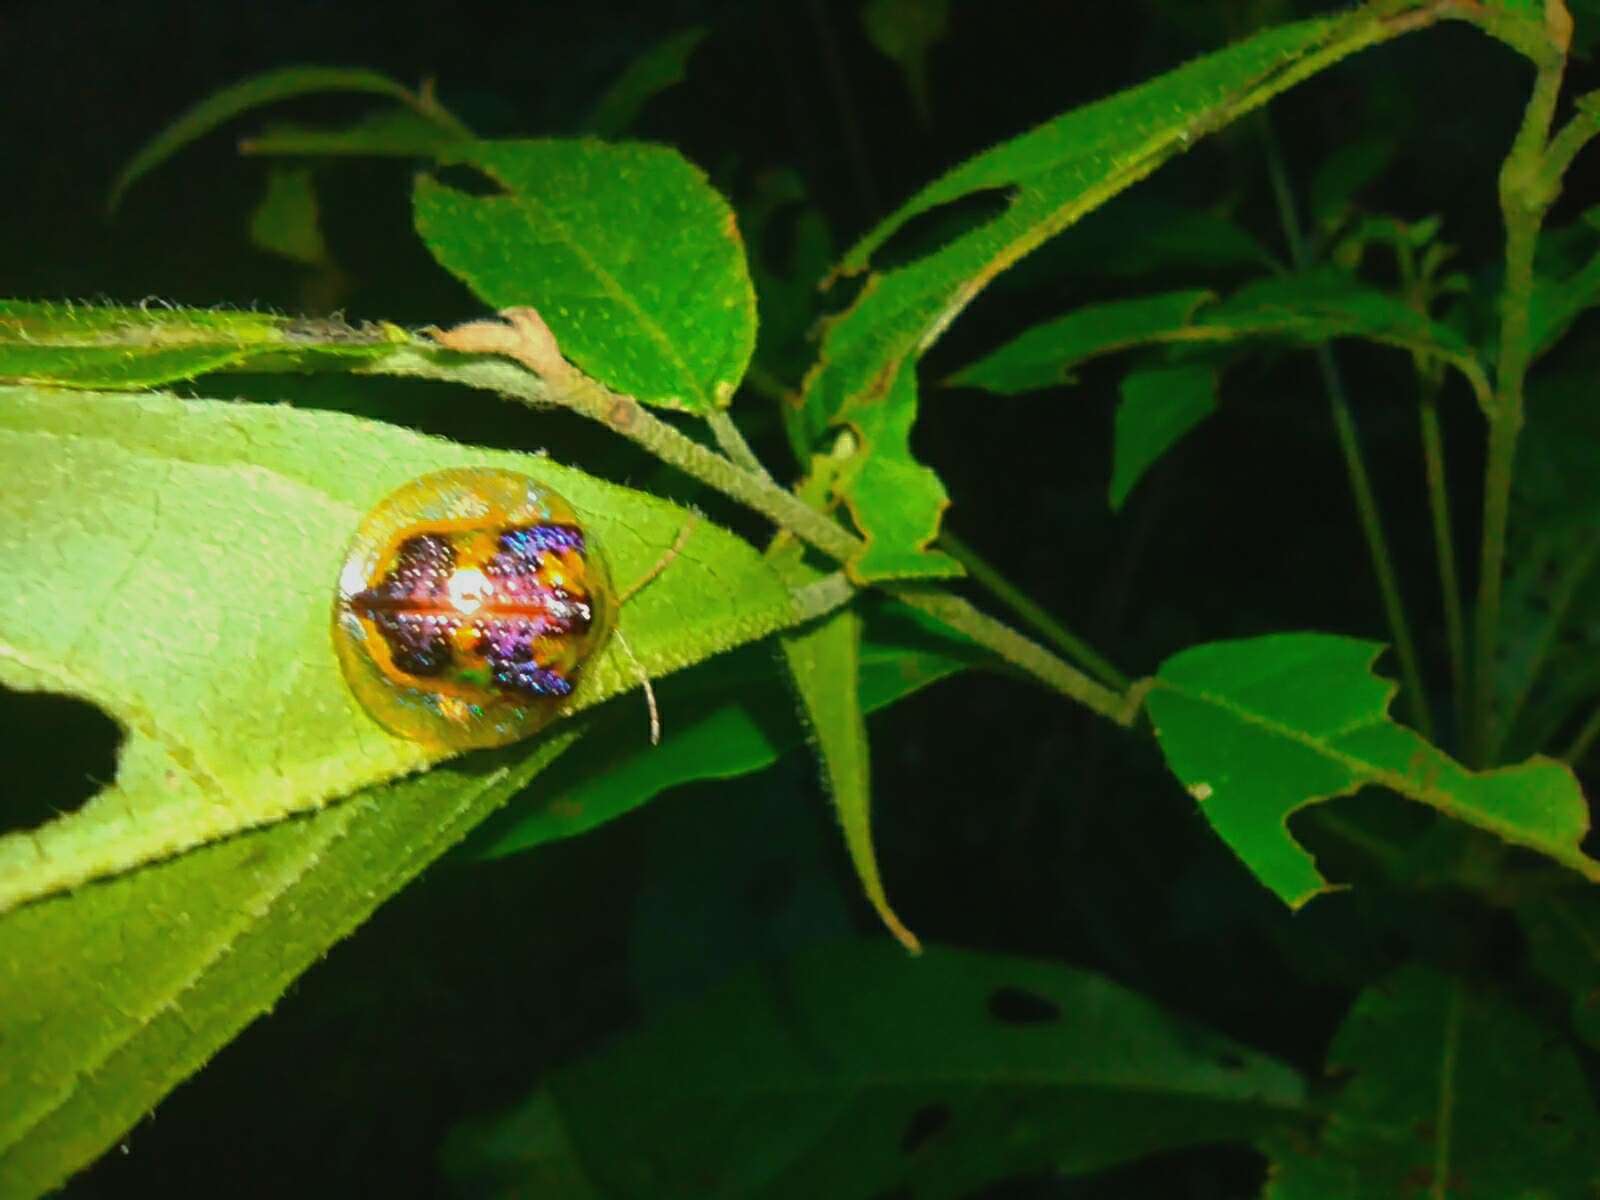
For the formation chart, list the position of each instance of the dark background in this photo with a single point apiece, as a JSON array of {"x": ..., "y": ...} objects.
[{"x": 1006, "y": 819}]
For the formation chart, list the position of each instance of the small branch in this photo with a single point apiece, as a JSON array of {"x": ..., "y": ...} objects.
[
  {"x": 541, "y": 377},
  {"x": 1573, "y": 137},
  {"x": 1525, "y": 196},
  {"x": 1010, "y": 645},
  {"x": 1366, "y": 499},
  {"x": 983, "y": 573},
  {"x": 1444, "y": 543}
]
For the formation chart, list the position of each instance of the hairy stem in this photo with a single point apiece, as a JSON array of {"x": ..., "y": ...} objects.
[
  {"x": 983, "y": 573},
  {"x": 540, "y": 377},
  {"x": 1019, "y": 651},
  {"x": 1526, "y": 194}
]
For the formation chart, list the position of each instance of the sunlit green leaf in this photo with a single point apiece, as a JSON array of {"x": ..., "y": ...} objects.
[
  {"x": 854, "y": 1070},
  {"x": 1045, "y": 354},
  {"x": 112, "y": 995},
  {"x": 92, "y": 346},
  {"x": 1049, "y": 177},
  {"x": 176, "y": 562},
  {"x": 824, "y": 661},
  {"x": 1159, "y": 405},
  {"x": 1259, "y": 728},
  {"x": 1445, "y": 1091},
  {"x": 632, "y": 258}
]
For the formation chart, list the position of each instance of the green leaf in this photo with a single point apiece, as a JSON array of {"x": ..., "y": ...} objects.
[
  {"x": 219, "y": 108},
  {"x": 1159, "y": 405},
  {"x": 1563, "y": 933},
  {"x": 1556, "y": 304},
  {"x": 892, "y": 496},
  {"x": 629, "y": 254},
  {"x": 385, "y": 133},
  {"x": 1044, "y": 355},
  {"x": 1051, "y": 177},
  {"x": 1309, "y": 309},
  {"x": 726, "y": 717},
  {"x": 111, "y": 995},
  {"x": 1348, "y": 169},
  {"x": 853, "y": 1070},
  {"x": 175, "y": 562},
  {"x": 87, "y": 346},
  {"x": 905, "y": 31},
  {"x": 825, "y": 663},
  {"x": 286, "y": 220},
  {"x": 1448, "y": 1091},
  {"x": 1549, "y": 660},
  {"x": 1259, "y": 728},
  {"x": 653, "y": 72},
  {"x": 1139, "y": 235}
]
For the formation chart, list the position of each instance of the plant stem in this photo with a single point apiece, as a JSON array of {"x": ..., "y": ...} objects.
[
  {"x": 1444, "y": 542},
  {"x": 1525, "y": 196},
  {"x": 539, "y": 380},
  {"x": 1019, "y": 651},
  {"x": 733, "y": 444},
  {"x": 1355, "y": 464},
  {"x": 985, "y": 575}
]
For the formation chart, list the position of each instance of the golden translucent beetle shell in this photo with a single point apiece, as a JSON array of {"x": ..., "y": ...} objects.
[{"x": 468, "y": 603}]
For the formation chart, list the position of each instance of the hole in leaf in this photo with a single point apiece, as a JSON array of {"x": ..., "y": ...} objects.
[
  {"x": 58, "y": 752},
  {"x": 1018, "y": 1006},
  {"x": 925, "y": 1125},
  {"x": 936, "y": 228},
  {"x": 1229, "y": 1061},
  {"x": 469, "y": 180}
]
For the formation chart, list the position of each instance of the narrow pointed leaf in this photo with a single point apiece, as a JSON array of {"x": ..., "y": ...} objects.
[
  {"x": 825, "y": 663},
  {"x": 1044, "y": 355},
  {"x": 729, "y": 716},
  {"x": 1158, "y": 407},
  {"x": 1446, "y": 1091},
  {"x": 1310, "y": 310},
  {"x": 1048, "y": 178},
  {"x": 632, "y": 258},
  {"x": 92, "y": 346},
  {"x": 219, "y": 108},
  {"x": 853, "y": 1070},
  {"x": 1260, "y": 728},
  {"x": 653, "y": 72},
  {"x": 175, "y": 562}
]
